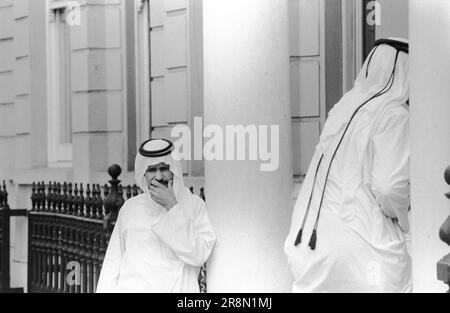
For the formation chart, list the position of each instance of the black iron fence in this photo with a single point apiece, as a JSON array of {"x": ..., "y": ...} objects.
[
  {"x": 5, "y": 216},
  {"x": 443, "y": 266},
  {"x": 66, "y": 233},
  {"x": 69, "y": 226},
  {"x": 4, "y": 240}
]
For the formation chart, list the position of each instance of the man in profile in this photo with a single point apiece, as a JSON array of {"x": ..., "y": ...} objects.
[{"x": 163, "y": 236}]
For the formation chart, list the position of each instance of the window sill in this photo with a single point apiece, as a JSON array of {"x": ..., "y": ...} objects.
[{"x": 28, "y": 176}]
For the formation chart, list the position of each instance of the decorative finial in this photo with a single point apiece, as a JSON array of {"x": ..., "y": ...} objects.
[{"x": 114, "y": 171}]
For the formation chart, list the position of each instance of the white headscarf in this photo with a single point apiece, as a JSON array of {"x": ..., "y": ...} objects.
[
  {"x": 142, "y": 163},
  {"x": 378, "y": 67}
]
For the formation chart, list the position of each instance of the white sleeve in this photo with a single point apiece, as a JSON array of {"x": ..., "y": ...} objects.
[
  {"x": 190, "y": 237},
  {"x": 110, "y": 271},
  {"x": 390, "y": 173}
]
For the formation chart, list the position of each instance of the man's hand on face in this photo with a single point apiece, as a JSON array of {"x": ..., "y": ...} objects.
[{"x": 164, "y": 196}]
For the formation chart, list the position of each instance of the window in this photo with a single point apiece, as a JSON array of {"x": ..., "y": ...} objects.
[
  {"x": 59, "y": 104},
  {"x": 143, "y": 73},
  {"x": 353, "y": 17}
]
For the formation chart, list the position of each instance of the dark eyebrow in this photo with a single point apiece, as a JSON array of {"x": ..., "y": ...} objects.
[{"x": 160, "y": 165}]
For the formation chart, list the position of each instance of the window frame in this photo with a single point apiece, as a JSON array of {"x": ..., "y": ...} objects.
[
  {"x": 143, "y": 73},
  {"x": 352, "y": 41},
  {"x": 59, "y": 154}
]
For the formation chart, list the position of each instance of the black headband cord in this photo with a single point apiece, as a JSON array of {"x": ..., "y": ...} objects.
[
  {"x": 313, "y": 239},
  {"x": 370, "y": 60},
  {"x": 156, "y": 153}
]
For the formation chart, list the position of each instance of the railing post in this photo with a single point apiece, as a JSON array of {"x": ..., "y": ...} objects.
[
  {"x": 114, "y": 201},
  {"x": 443, "y": 266},
  {"x": 4, "y": 241}
]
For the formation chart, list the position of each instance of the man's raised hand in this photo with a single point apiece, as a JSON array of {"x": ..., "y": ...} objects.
[{"x": 164, "y": 196}]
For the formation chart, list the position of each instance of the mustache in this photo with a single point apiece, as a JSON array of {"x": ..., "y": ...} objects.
[{"x": 163, "y": 181}]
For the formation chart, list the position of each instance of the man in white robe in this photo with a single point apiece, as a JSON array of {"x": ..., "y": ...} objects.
[
  {"x": 161, "y": 237},
  {"x": 349, "y": 223}
]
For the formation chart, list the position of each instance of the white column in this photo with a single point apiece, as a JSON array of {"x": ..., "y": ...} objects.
[
  {"x": 246, "y": 67},
  {"x": 430, "y": 135}
]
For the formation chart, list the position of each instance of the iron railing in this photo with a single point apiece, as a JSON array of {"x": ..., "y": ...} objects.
[{"x": 443, "y": 266}]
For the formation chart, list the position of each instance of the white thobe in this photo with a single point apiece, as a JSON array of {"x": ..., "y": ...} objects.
[
  {"x": 361, "y": 245},
  {"x": 155, "y": 250}
]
